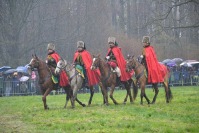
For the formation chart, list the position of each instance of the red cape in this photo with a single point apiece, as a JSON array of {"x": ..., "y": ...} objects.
[
  {"x": 156, "y": 71},
  {"x": 63, "y": 78},
  {"x": 121, "y": 63},
  {"x": 93, "y": 75}
]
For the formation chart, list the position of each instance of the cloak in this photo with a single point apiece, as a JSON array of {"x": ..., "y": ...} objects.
[
  {"x": 63, "y": 78},
  {"x": 156, "y": 71},
  {"x": 92, "y": 75},
  {"x": 125, "y": 76}
]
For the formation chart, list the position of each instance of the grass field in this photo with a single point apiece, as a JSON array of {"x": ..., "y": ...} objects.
[{"x": 26, "y": 114}]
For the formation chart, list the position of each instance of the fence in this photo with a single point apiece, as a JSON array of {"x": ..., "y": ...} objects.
[{"x": 17, "y": 88}]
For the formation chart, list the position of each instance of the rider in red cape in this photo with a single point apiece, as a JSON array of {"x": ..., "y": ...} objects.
[
  {"x": 83, "y": 58},
  {"x": 52, "y": 59},
  {"x": 116, "y": 58},
  {"x": 156, "y": 71}
]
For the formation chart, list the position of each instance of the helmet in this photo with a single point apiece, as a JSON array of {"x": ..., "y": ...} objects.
[
  {"x": 111, "y": 40},
  {"x": 51, "y": 46},
  {"x": 146, "y": 39},
  {"x": 81, "y": 44}
]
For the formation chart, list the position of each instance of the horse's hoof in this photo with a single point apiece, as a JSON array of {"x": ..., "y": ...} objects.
[
  {"x": 124, "y": 103},
  {"x": 84, "y": 105},
  {"x": 106, "y": 104}
]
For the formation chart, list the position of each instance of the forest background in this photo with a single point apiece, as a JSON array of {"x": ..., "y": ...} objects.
[{"x": 27, "y": 26}]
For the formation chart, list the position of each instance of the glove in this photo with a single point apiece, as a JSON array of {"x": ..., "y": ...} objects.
[
  {"x": 107, "y": 57},
  {"x": 46, "y": 61}
]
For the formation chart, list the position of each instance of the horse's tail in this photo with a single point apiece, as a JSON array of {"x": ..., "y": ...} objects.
[
  {"x": 170, "y": 95},
  {"x": 135, "y": 90}
]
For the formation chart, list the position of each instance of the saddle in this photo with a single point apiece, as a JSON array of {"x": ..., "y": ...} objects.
[{"x": 80, "y": 69}]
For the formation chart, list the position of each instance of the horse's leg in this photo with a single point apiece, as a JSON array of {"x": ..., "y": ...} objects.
[
  {"x": 111, "y": 94},
  {"x": 91, "y": 95},
  {"x": 75, "y": 90},
  {"x": 167, "y": 88},
  {"x": 102, "y": 90},
  {"x": 105, "y": 94},
  {"x": 69, "y": 95},
  {"x": 156, "y": 92},
  {"x": 135, "y": 89},
  {"x": 128, "y": 89},
  {"x": 44, "y": 97},
  {"x": 166, "y": 91},
  {"x": 82, "y": 104},
  {"x": 143, "y": 94}
]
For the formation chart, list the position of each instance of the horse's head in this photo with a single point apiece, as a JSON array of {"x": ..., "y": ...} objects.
[
  {"x": 61, "y": 64},
  {"x": 130, "y": 63},
  {"x": 95, "y": 62},
  {"x": 34, "y": 62}
]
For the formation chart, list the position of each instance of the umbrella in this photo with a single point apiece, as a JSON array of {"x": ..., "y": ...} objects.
[
  {"x": 194, "y": 63},
  {"x": 22, "y": 69},
  {"x": 166, "y": 61},
  {"x": 10, "y": 71},
  {"x": 177, "y": 60},
  {"x": 171, "y": 64},
  {"x": 186, "y": 64},
  {"x": 24, "y": 78},
  {"x": 4, "y": 68}
]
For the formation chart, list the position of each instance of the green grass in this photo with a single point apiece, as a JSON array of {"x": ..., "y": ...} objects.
[{"x": 26, "y": 114}]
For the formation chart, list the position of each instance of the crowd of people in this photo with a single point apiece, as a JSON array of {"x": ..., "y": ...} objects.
[{"x": 181, "y": 75}]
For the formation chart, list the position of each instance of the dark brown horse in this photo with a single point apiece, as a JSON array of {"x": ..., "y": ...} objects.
[
  {"x": 45, "y": 81},
  {"x": 108, "y": 79},
  {"x": 141, "y": 79}
]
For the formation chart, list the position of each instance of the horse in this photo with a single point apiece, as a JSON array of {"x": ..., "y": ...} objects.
[
  {"x": 45, "y": 80},
  {"x": 141, "y": 78},
  {"x": 76, "y": 80},
  {"x": 108, "y": 79}
]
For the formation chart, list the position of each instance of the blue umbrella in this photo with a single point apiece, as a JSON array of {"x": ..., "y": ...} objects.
[
  {"x": 166, "y": 61},
  {"x": 22, "y": 69},
  {"x": 4, "y": 68},
  {"x": 171, "y": 64},
  {"x": 9, "y": 71},
  {"x": 177, "y": 60}
]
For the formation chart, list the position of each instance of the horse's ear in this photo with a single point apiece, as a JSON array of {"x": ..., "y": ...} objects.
[{"x": 36, "y": 56}]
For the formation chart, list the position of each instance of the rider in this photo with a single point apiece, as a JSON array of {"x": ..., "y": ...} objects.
[
  {"x": 83, "y": 59},
  {"x": 155, "y": 70},
  {"x": 52, "y": 59},
  {"x": 116, "y": 60}
]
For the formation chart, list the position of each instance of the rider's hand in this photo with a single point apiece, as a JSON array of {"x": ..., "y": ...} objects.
[{"x": 107, "y": 57}]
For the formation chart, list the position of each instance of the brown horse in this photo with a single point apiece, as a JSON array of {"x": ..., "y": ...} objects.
[
  {"x": 45, "y": 81},
  {"x": 108, "y": 79},
  {"x": 141, "y": 78}
]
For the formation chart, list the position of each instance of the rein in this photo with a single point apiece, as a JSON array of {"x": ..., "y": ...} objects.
[
  {"x": 137, "y": 76},
  {"x": 109, "y": 72}
]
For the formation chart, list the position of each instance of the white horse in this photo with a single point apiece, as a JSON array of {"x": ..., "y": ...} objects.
[{"x": 75, "y": 78}]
